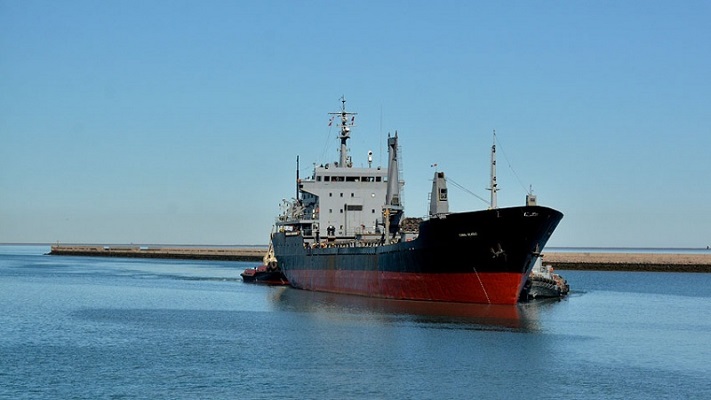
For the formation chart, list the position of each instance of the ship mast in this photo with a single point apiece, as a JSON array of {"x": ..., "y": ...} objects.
[
  {"x": 345, "y": 132},
  {"x": 393, "y": 210},
  {"x": 493, "y": 186}
]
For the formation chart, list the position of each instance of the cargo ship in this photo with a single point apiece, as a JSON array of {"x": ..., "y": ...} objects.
[{"x": 345, "y": 232}]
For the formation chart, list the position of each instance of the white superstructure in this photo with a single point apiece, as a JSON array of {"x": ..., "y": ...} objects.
[{"x": 341, "y": 202}]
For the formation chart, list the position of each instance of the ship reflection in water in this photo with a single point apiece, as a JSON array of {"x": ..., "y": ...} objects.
[{"x": 518, "y": 318}]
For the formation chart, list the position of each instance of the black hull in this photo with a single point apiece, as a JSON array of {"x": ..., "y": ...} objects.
[{"x": 481, "y": 257}]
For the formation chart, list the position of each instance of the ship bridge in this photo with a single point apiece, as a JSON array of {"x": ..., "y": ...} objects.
[{"x": 348, "y": 201}]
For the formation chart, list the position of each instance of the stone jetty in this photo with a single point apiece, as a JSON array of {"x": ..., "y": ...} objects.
[
  {"x": 661, "y": 262},
  {"x": 186, "y": 253}
]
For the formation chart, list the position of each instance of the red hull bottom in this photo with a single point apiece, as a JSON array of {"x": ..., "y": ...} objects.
[{"x": 485, "y": 288}]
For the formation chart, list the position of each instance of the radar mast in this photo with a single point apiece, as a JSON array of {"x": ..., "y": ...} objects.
[{"x": 345, "y": 132}]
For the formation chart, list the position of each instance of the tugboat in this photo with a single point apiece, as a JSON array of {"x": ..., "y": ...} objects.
[
  {"x": 345, "y": 232},
  {"x": 543, "y": 282},
  {"x": 267, "y": 273}
]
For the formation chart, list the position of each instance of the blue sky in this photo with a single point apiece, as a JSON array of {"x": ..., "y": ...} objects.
[{"x": 179, "y": 122}]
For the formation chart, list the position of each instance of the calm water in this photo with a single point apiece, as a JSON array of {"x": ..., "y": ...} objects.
[{"x": 117, "y": 328}]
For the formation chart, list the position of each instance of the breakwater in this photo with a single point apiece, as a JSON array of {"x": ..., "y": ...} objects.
[
  {"x": 185, "y": 253},
  {"x": 657, "y": 262},
  {"x": 591, "y": 261}
]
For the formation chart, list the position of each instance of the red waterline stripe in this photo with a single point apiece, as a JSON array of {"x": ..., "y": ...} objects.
[{"x": 496, "y": 288}]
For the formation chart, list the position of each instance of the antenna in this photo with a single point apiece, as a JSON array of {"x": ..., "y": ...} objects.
[
  {"x": 380, "y": 142},
  {"x": 297, "y": 178},
  {"x": 493, "y": 186}
]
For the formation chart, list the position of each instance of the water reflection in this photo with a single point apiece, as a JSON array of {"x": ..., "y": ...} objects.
[{"x": 437, "y": 314}]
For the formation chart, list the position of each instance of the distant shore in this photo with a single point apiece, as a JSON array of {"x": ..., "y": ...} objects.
[{"x": 589, "y": 261}]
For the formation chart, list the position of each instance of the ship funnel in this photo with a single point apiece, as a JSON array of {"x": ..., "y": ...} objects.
[{"x": 438, "y": 199}]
